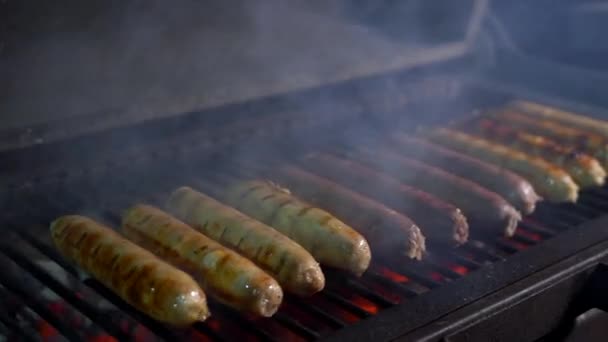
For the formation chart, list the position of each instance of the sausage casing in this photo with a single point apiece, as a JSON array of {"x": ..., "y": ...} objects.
[
  {"x": 551, "y": 181},
  {"x": 585, "y": 141},
  {"x": 289, "y": 263},
  {"x": 516, "y": 189},
  {"x": 567, "y": 118},
  {"x": 485, "y": 207},
  {"x": 439, "y": 220},
  {"x": 141, "y": 279},
  {"x": 387, "y": 231},
  {"x": 329, "y": 240},
  {"x": 223, "y": 273},
  {"x": 583, "y": 168}
]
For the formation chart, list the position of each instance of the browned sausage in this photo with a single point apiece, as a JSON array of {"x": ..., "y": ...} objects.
[
  {"x": 331, "y": 241},
  {"x": 551, "y": 181},
  {"x": 222, "y": 273},
  {"x": 583, "y": 168},
  {"x": 510, "y": 185},
  {"x": 439, "y": 220},
  {"x": 295, "y": 269},
  {"x": 479, "y": 204},
  {"x": 150, "y": 285},
  {"x": 388, "y": 231}
]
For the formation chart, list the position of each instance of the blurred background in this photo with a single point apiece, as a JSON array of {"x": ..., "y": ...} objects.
[{"x": 66, "y": 58}]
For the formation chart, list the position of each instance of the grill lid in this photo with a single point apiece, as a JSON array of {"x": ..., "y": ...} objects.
[{"x": 103, "y": 66}]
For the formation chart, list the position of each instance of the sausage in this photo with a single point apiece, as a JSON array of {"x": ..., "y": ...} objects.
[
  {"x": 141, "y": 279},
  {"x": 222, "y": 273},
  {"x": 387, "y": 231},
  {"x": 551, "y": 181},
  {"x": 584, "y": 169},
  {"x": 485, "y": 207},
  {"x": 439, "y": 220},
  {"x": 588, "y": 142},
  {"x": 516, "y": 189},
  {"x": 289, "y": 263},
  {"x": 329, "y": 240},
  {"x": 564, "y": 117}
]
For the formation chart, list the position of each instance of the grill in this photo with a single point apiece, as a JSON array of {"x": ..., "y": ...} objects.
[
  {"x": 46, "y": 296},
  {"x": 528, "y": 287}
]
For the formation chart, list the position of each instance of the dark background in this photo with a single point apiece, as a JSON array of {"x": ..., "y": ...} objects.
[{"x": 73, "y": 57}]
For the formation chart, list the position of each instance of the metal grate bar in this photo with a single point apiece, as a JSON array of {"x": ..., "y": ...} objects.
[
  {"x": 16, "y": 288},
  {"x": 331, "y": 295},
  {"x": 296, "y": 326},
  {"x": 480, "y": 248},
  {"x": 242, "y": 322},
  {"x": 535, "y": 227},
  {"x": 98, "y": 318},
  {"x": 12, "y": 326},
  {"x": 365, "y": 292},
  {"x": 400, "y": 287},
  {"x": 337, "y": 322}
]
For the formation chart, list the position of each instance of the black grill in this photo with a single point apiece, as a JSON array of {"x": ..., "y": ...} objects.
[{"x": 45, "y": 296}]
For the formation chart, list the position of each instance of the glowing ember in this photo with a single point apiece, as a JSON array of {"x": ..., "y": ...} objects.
[
  {"x": 459, "y": 269},
  {"x": 396, "y": 277},
  {"x": 436, "y": 276},
  {"x": 366, "y": 305},
  {"x": 529, "y": 235}
]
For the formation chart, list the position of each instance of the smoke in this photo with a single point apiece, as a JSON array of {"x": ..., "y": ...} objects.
[{"x": 153, "y": 58}]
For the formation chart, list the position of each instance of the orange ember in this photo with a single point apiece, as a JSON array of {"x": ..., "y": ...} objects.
[
  {"x": 46, "y": 331},
  {"x": 462, "y": 270},
  {"x": 366, "y": 305},
  {"x": 396, "y": 277}
]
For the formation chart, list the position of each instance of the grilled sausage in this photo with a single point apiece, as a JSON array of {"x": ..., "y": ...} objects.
[
  {"x": 479, "y": 204},
  {"x": 510, "y": 185},
  {"x": 222, "y": 273},
  {"x": 329, "y": 240},
  {"x": 588, "y": 142},
  {"x": 551, "y": 181},
  {"x": 584, "y": 169},
  {"x": 290, "y": 264},
  {"x": 150, "y": 285},
  {"x": 561, "y": 116},
  {"x": 440, "y": 221},
  {"x": 387, "y": 231}
]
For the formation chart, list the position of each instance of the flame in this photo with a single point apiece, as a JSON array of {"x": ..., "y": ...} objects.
[{"x": 394, "y": 276}]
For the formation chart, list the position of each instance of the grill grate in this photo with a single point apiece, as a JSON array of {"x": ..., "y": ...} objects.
[{"x": 48, "y": 296}]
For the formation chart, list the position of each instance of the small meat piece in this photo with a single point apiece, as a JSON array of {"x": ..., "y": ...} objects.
[
  {"x": 485, "y": 207},
  {"x": 388, "y": 232},
  {"x": 583, "y": 168},
  {"x": 289, "y": 263},
  {"x": 551, "y": 181},
  {"x": 516, "y": 189},
  {"x": 439, "y": 220},
  {"x": 141, "y": 279},
  {"x": 561, "y": 116},
  {"x": 222, "y": 273},
  {"x": 584, "y": 141},
  {"x": 329, "y": 240}
]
